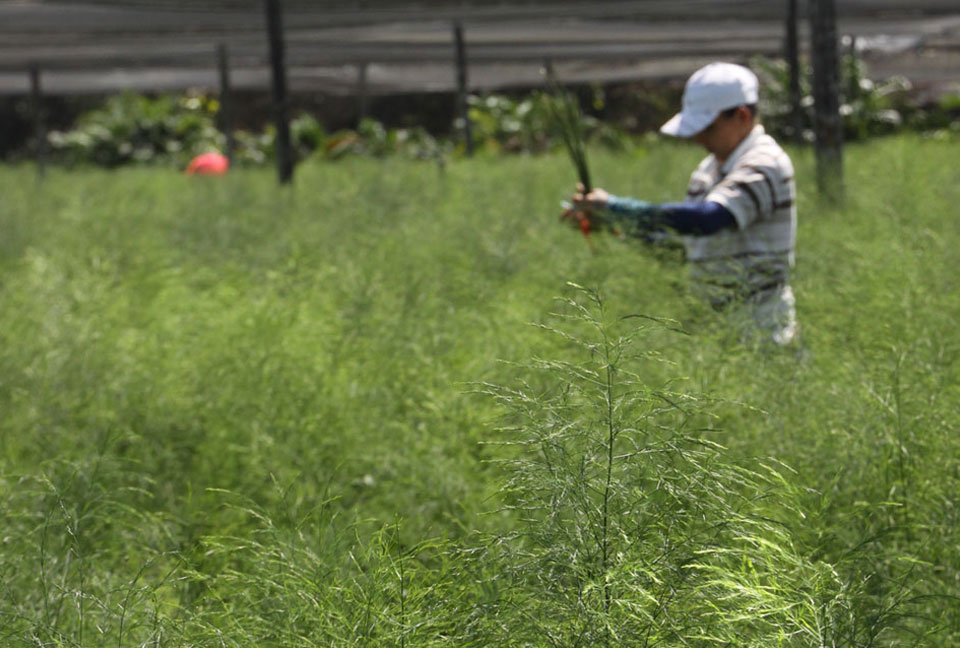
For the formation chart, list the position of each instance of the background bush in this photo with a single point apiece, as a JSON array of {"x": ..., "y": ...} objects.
[
  {"x": 868, "y": 108},
  {"x": 169, "y": 130}
]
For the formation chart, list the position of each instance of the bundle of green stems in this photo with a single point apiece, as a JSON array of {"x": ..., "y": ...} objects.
[{"x": 567, "y": 122}]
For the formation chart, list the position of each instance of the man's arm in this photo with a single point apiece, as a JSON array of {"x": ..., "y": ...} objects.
[{"x": 638, "y": 217}]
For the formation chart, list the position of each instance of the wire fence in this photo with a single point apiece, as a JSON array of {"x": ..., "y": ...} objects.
[
  {"x": 105, "y": 46},
  {"x": 52, "y": 47}
]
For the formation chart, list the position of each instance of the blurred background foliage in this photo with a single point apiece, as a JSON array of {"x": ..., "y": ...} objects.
[{"x": 169, "y": 130}]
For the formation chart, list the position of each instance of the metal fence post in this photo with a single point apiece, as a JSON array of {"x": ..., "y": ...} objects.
[
  {"x": 39, "y": 126},
  {"x": 792, "y": 54},
  {"x": 828, "y": 125},
  {"x": 363, "y": 106},
  {"x": 462, "y": 109},
  {"x": 225, "y": 114},
  {"x": 279, "y": 87}
]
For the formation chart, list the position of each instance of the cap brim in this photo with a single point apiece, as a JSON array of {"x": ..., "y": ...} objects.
[{"x": 686, "y": 124}]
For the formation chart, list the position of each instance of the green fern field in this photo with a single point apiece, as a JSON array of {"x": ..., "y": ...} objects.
[{"x": 399, "y": 404}]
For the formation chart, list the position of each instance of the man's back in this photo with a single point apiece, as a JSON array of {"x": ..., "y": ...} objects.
[{"x": 757, "y": 186}]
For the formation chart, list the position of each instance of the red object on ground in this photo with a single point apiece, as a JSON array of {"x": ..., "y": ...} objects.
[{"x": 208, "y": 164}]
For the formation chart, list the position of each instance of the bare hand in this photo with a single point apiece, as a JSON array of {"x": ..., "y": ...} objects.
[
  {"x": 594, "y": 200},
  {"x": 576, "y": 217},
  {"x": 583, "y": 213}
]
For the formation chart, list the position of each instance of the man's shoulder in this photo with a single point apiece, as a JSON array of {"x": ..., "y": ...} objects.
[
  {"x": 766, "y": 152},
  {"x": 702, "y": 178},
  {"x": 707, "y": 165}
]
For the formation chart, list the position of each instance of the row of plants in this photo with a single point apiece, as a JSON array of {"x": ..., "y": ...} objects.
[
  {"x": 236, "y": 417},
  {"x": 133, "y": 128},
  {"x": 631, "y": 529}
]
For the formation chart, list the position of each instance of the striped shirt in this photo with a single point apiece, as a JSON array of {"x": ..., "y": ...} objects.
[{"x": 756, "y": 185}]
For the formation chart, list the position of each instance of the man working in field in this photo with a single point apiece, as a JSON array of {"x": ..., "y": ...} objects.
[{"x": 738, "y": 223}]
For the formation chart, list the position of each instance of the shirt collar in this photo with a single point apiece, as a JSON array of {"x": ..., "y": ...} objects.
[{"x": 741, "y": 147}]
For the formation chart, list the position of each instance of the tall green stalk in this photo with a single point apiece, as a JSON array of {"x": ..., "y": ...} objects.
[
  {"x": 402, "y": 597},
  {"x": 611, "y": 439},
  {"x": 568, "y": 123}
]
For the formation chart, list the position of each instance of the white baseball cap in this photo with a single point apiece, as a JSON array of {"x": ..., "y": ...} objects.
[{"x": 709, "y": 91}]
